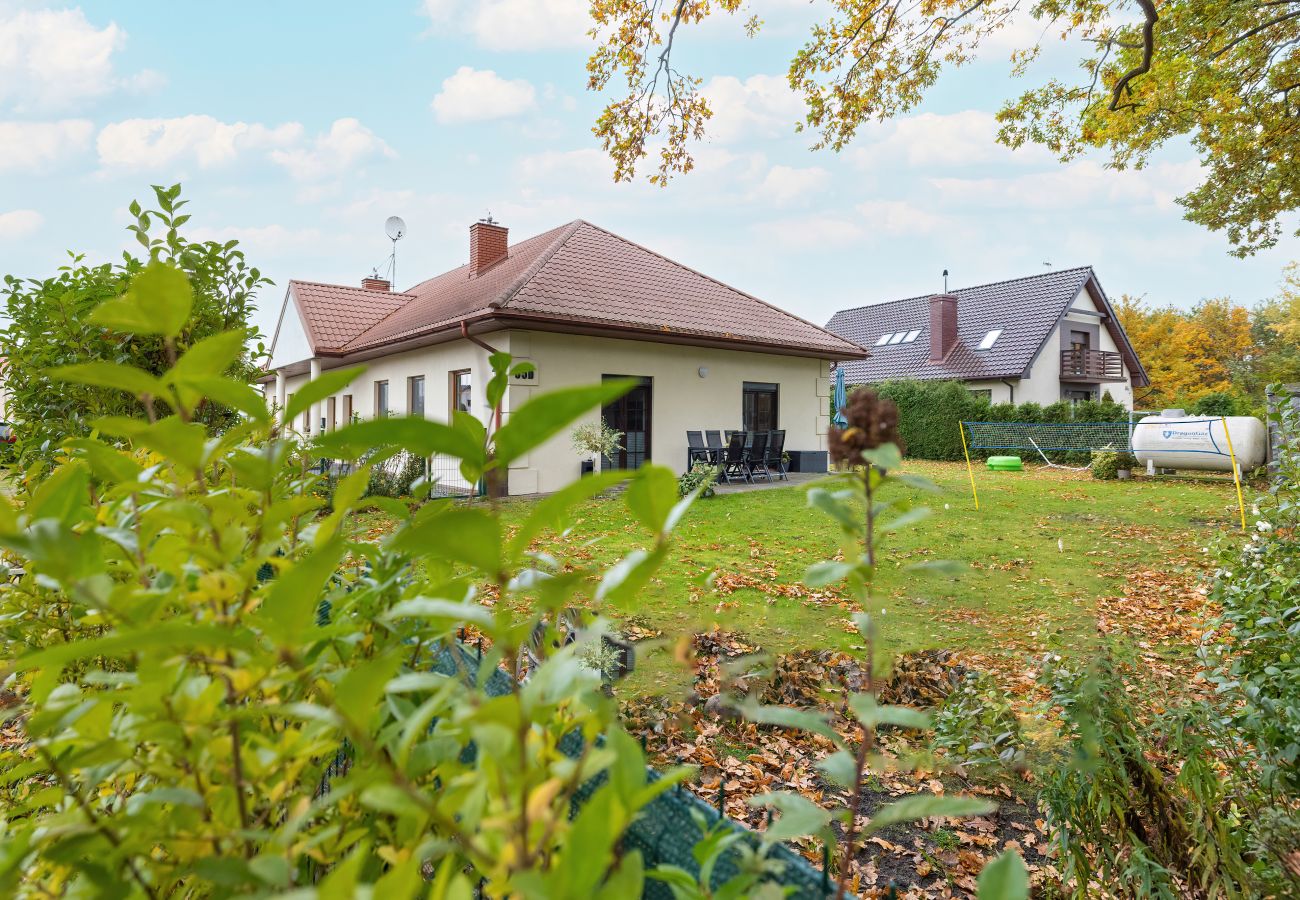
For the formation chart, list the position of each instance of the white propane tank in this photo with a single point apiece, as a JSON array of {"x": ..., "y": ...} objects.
[{"x": 1174, "y": 440}]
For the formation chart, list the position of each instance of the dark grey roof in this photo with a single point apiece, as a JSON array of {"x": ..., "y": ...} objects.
[{"x": 1026, "y": 309}]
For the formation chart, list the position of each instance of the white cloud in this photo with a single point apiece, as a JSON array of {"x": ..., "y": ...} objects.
[
  {"x": 37, "y": 145},
  {"x": 264, "y": 240},
  {"x": 514, "y": 24},
  {"x": 55, "y": 58},
  {"x": 789, "y": 186},
  {"x": 896, "y": 217},
  {"x": 530, "y": 24},
  {"x": 208, "y": 142},
  {"x": 347, "y": 143},
  {"x": 931, "y": 139},
  {"x": 566, "y": 166},
  {"x": 761, "y": 105},
  {"x": 1084, "y": 184},
  {"x": 440, "y": 10},
  {"x": 19, "y": 223},
  {"x": 152, "y": 143},
  {"x": 813, "y": 232},
  {"x": 477, "y": 95}
]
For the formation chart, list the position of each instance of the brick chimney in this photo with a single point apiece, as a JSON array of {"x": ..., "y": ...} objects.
[
  {"x": 373, "y": 283},
  {"x": 487, "y": 245},
  {"x": 943, "y": 325}
]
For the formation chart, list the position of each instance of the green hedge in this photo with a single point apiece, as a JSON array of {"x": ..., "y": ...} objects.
[{"x": 930, "y": 410}]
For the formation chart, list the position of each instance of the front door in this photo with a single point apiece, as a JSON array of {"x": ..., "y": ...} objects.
[{"x": 629, "y": 414}]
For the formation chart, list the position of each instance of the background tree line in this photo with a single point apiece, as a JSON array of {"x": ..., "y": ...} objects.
[{"x": 1218, "y": 355}]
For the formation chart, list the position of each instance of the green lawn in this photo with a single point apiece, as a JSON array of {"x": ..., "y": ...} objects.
[{"x": 1019, "y": 581}]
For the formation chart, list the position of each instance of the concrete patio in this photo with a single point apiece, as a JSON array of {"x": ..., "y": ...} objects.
[{"x": 794, "y": 479}]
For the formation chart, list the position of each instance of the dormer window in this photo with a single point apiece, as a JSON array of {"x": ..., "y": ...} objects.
[{"x": 990, "y": 339}]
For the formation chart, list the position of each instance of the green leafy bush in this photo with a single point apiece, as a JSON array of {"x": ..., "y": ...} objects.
[
  {"x": 1258, "y": 589},
  {"x": 1118, "y": 818},
  {"x": 1220, "y": 403},
  {"x": 596, "y": 440},
  {"x": 193, "y": 728},
  {"x": 701, "y": 477},
  {"x": 48, "y": 323},
  {"x": 929, "y": 413},
  {"x": 1200, "y": 795},
  {"x": 976, "y": 728},
  {"x": 1107, "y": 463},
  {"x": 394, "y": 476}
]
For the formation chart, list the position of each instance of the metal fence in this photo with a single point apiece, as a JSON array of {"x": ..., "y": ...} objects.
[
  {"x": 1290, "y": 394},
  {"x": 447, "y": 481}
]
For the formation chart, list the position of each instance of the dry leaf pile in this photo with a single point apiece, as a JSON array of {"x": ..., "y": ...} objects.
[{"x": 738, "y": 760}]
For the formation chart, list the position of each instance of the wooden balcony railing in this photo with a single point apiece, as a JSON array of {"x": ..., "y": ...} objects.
[{"x": 1091, "y": 365}]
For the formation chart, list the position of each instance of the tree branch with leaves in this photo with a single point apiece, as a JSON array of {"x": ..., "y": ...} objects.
[{"x": 1221, "y": 75}]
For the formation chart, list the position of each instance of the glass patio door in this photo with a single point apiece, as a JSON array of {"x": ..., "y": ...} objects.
[{"x": 629, "y": 414}]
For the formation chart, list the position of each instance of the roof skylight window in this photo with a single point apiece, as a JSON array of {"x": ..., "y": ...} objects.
[
  {"x": 990, "y": 339},
  {"x": 897, "y": 338},
  {"x": 911, "y": 336},
  {"x": 884, "y": 339}
]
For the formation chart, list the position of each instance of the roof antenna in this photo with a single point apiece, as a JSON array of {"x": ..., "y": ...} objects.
[
  {"x": 395, "y": 228},
  {"x": 488, "y": 220},
  {"x": 945, "y": 281}
]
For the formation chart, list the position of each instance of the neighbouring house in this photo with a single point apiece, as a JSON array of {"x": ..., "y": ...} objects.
[
  {"x": 1043, "y": 338},
  {"x": 582, "y": 304}
]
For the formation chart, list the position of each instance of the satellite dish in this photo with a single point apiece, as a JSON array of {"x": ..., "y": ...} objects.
[{"x": 395, "y": 227}]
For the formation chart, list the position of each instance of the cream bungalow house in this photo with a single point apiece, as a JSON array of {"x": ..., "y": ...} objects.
[
  {"x": 581, "y": 304},
  {"x": 1041, "y": 339}
]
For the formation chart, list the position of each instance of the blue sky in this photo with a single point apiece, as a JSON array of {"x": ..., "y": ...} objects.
[{"x": 299, "y": 127}]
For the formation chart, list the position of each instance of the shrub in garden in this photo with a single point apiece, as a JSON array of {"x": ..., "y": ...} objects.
[
  {"x": 700, "y": 478},
  {"x": 928, "y": 415},
  {"x": 976, "y": 728},
  {"x": 1119, "y": 818},
  {"x": 48, "y": 327},
  {"x": 596, "y": 440},
  {"x": 866, "y": 451},
  {"x": 930, "y": 410},
  {"x": 1160, "y": 798},
  {"x": 179, "y": 711},
  {"x": 1107, "y": 462},
  {"x": 393, "y": 477},
  {"x": 1219, "y": 403}
]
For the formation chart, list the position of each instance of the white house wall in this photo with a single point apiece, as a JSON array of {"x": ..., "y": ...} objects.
[
  {"x": 1043, "y": 384},
  {"x": 291, "y": 344},
  {"x": 680, "y": 398},
  {"x": 435, "y": 363}
]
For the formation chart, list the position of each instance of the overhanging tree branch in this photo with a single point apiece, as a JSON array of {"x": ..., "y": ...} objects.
[{"x": 1148, "y": 51}]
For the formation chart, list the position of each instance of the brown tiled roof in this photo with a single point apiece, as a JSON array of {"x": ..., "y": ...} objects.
[
  {"x": 1026, "y": 309},
  {"x": 335, "y": 315},
  {"x": 456, "y": 295},
  {"x": 577, "y": 275}
]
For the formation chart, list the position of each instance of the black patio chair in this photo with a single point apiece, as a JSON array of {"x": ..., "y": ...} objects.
[
  {"x": 714, "y": 440},
  {"x": 756, "y": 456},
  {"x": 776, "y": 454},
  {"x": 733, "y": 462},
  {"x": 696, "y": 450}
]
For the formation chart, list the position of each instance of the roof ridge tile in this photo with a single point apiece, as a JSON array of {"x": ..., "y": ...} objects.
[{"x": 968, "y": 288}]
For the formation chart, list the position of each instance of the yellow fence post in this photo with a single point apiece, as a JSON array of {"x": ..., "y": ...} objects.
[
  {"x": 1236, "y": 471},
  {"x": 970, "y": 470}
]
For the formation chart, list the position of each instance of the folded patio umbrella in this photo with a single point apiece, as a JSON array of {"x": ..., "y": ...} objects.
[{"x": 840, "y": 398}]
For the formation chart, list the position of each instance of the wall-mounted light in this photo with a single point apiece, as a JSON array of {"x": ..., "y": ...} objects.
[{"x": 704, "y": 371}]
